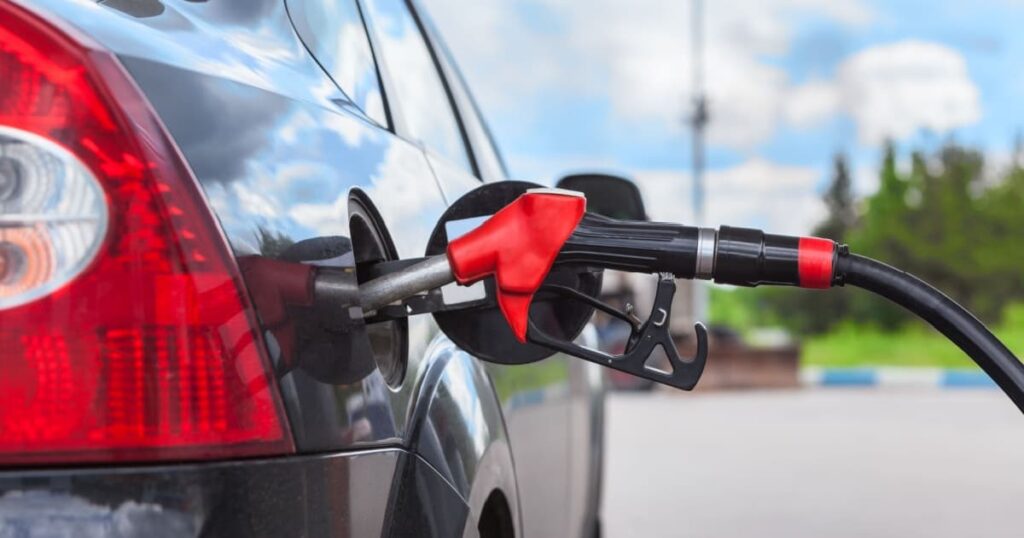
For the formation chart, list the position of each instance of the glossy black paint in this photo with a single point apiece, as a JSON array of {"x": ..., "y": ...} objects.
[
  {"x": 278, "y": 149},
  {"x": 387, "y": 492}
]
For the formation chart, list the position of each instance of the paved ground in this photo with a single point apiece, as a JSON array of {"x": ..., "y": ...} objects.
[{"x": 827, "y": 462}]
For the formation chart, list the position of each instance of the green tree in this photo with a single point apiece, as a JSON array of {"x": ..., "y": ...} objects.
[
  {"x": 998, "y": 259},
  {"x": 842, "y": 213},
  {"x": 883, "y": 232},
  {"x": 885, "y": 228},
  {"x": 930, "y": 222},
  {"x": 943, "y": 219},
  {"x": 945, "y": 222},
  {"x": 272, "y": 243}
]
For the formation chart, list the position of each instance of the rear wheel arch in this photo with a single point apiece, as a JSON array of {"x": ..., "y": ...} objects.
[
  {"x": 496, "y": 519},
  {"x": 458, "y": 427}
]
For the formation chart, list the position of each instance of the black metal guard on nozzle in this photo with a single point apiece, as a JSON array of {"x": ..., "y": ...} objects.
[{"x": 645, "y": 339}]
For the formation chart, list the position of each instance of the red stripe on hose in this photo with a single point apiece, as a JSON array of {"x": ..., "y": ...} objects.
[{"x": 815, "y": 257}]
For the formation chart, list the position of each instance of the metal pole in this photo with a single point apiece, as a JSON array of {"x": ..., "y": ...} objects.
[{"x": 698, "y": 123}]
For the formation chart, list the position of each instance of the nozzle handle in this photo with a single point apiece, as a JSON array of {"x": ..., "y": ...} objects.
[{"x": 635, "y": 246}]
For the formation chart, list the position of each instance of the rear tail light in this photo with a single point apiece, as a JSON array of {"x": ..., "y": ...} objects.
[{"x": 124, "y": 331}]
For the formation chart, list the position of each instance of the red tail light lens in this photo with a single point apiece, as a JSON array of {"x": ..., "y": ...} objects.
[{"x": 124, "y": 331}]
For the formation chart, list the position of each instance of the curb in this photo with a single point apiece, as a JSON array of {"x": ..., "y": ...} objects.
[{"x": 895, "y": 377}]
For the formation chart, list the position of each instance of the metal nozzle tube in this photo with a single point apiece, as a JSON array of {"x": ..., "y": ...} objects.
[{"x": 431, "y": 273}]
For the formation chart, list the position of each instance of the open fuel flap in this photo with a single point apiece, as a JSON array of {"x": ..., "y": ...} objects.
[{"x": 482, "y": 329}]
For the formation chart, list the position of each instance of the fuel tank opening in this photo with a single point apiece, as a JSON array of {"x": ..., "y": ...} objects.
[{"x": 372, "y": 244}]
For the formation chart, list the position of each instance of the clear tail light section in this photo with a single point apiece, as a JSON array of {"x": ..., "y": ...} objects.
[
  {"x": 125, "y": 334},
  {"x": 53, "y": 216}
]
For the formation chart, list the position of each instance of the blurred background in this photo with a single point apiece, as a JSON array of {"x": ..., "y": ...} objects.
[{"x": 892, "y": 126}]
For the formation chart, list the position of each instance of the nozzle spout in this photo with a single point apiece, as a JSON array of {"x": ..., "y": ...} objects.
[{"x": 428, "y": 274}]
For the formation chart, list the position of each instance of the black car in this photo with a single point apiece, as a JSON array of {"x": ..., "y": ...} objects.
[{"x": 171, "y": 172}]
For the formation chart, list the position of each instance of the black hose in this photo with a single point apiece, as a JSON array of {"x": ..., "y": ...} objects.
[{"x": 951, "y": 319}]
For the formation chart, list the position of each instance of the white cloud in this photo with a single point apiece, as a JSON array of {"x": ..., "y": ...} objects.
[
  {"x": 521, "y": 54},
  {"x": 257, "y": 202},
  {"x": 406, "y": 200},
  {"x": 547, "y": 170},
  {"x": 756, "y": 193},
  {"x": 897, "y": 89},
  {"x": 330, "y": 218},
  {"x": 893, "y": 91},
  {"x": 812, "y": 102},
  {"x": 636, "y": 53}
]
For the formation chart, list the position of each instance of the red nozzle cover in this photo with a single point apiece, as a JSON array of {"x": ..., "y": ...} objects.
[{"x": 518, "y": 245}]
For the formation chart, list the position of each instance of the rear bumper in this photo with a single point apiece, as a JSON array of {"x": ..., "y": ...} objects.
[{"x": 387, "y": 492}]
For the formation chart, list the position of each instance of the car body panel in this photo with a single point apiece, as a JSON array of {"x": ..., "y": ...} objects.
[
  {"x": 352, "y": 494},
  {"x": 277, "y": 148},
  {"x": 535, "y": 399}
]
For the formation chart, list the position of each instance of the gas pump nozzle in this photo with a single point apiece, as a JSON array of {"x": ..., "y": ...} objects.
[
  {"x": 543, "y": 228},
  {"x": 547, "y": 228}
]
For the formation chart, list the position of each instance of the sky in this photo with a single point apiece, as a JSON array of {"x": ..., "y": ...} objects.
[{"x": 605, "y": 85}]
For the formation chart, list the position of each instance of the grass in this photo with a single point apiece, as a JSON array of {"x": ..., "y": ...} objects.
[{"x": 857, "y": 346}]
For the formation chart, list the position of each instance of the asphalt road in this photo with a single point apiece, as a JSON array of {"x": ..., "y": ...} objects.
[{"x": 827, "y": 462}]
